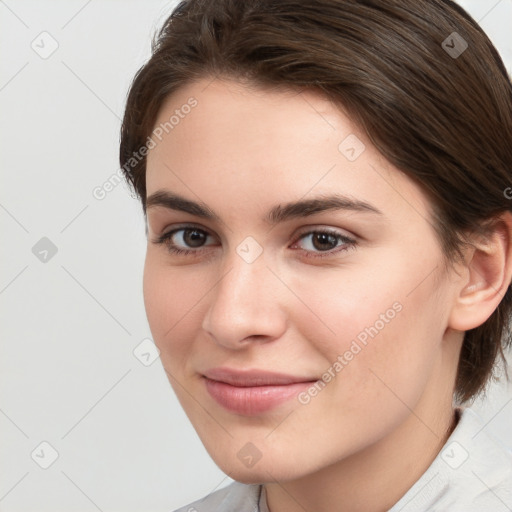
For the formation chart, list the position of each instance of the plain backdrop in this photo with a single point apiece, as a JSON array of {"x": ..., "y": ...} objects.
[{"x": 86, "y": 422}]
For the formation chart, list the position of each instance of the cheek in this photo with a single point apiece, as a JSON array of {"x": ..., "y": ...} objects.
[
  {"x": 171, "y": 299},
  {"x": 343, "y": 306},
  {"x": 384, "y": 334}
]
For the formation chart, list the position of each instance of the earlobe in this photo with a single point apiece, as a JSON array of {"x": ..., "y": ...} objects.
[{"x": 489, "y": 273}]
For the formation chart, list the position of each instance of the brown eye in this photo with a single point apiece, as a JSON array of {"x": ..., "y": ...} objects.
[
  {"x": 320, "y": 243},
  {"x": 324, "y": 241},
  {"x": 194, "y": 237},
  {"x": 186, "y": 240}
]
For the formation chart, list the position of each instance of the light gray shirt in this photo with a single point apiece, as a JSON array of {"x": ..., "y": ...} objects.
[{"x": 472, "y": 473}]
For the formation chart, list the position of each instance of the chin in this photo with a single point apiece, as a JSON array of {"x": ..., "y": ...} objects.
[{"x": 269, "y": 468}]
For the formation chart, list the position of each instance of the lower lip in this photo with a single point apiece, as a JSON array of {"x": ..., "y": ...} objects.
[{"x": 252, "y": 400}]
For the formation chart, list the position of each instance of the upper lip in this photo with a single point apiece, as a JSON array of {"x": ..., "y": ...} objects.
[{"x": 253, "y": 377}]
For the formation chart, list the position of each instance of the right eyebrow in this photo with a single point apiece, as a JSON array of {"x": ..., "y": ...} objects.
[{"x": 176, "y": 202}]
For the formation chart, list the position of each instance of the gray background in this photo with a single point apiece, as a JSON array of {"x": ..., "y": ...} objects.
[{"x": 71, "y": 321}]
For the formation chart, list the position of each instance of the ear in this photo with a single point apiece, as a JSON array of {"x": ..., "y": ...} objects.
[{"x": 486, "y": 276}]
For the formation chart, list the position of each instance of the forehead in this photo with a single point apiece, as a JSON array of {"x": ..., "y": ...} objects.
[
  {"x": 240, "y": 145},
  {"x": 253, "y": 117}
]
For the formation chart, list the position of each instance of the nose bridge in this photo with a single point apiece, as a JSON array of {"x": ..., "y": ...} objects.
[
  {"x": 245, "y": 282},
  {"x": 244, "y": 303}
]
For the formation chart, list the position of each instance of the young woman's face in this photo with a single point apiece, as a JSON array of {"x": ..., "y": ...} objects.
[{"x": 306, "y": 320}]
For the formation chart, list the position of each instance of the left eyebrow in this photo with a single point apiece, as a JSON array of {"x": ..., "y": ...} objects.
[
  {"x": 277, "y": 214},
  {"x": 308, "y": 207}
]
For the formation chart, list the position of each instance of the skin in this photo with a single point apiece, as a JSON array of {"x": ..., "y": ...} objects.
[{"x": 371, "y": 432}]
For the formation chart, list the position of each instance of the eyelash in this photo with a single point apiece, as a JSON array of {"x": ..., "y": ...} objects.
[{"x": 349, "y": 243}]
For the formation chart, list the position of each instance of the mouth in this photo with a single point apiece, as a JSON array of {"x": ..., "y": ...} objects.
[{"x": 252, "y": 392}]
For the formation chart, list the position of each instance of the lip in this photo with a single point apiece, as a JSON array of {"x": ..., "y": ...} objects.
[{"x": 252, "y": 392}]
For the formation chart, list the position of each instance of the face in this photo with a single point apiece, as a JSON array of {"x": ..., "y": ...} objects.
[{"x": 293, "y": 282}]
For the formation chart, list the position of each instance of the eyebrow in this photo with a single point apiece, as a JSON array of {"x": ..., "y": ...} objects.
[{"x": 277, "y": 214}]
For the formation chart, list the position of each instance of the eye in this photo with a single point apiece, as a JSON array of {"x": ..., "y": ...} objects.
[
  {"x": 185, "y": 240},
  {"x": 319, "y": 243},
  {"x": 322, "y": 243}
]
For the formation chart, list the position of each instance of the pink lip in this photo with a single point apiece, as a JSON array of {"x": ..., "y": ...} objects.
[{"x": 252, "y": 392}]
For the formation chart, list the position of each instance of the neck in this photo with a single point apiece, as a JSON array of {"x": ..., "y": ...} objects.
[{"x": 375, "y": 479}]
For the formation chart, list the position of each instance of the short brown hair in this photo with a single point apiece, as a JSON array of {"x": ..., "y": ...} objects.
[{"x": 442, "y": 117}]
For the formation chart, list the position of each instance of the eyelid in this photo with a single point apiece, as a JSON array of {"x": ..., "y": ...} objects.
[
  {"x": 166, "y": 236},
  {"x": 179, "y": 227},
  {"x": 323, "y": 228}
]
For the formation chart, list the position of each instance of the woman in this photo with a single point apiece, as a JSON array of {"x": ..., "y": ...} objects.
[{"x": 329, "y": 247}]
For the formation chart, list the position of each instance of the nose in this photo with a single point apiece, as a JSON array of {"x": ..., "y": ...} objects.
[{"x": 244, "y": 306}]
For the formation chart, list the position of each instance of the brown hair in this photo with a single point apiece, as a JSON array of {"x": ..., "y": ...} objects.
[{"x": 438, "y": 110}]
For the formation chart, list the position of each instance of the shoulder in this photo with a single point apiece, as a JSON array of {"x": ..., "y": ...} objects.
[
  {"x": 236, "y": 497},
  {"x": 471, "y": 473},
  {"x": 481, "y": 465}
]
